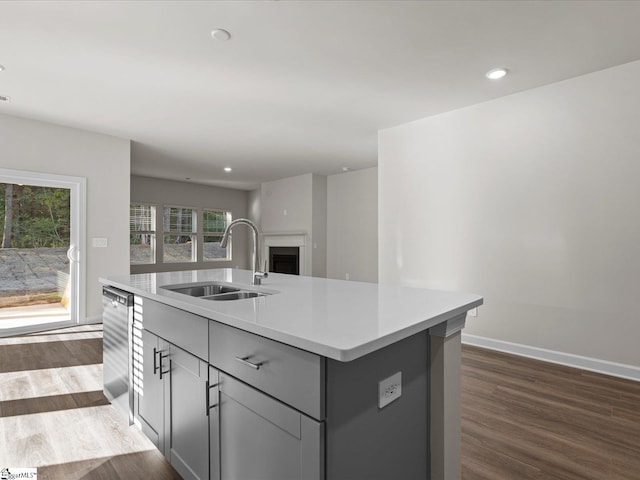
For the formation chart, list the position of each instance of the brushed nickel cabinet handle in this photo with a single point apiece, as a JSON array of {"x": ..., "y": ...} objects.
[
  {"x": 161, "y": 357},
  {"x": 155, "y": 363},
  {"x": 245, "y": 361},
  {"x": 208, "y": 394}
]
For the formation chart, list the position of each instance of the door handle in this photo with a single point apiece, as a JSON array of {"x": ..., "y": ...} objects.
[{"x": 71, "y": 254}]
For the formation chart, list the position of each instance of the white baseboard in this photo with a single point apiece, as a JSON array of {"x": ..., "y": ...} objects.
[{"x": 621, "y": 370}]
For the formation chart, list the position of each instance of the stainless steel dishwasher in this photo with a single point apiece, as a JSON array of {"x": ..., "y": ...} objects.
[{"x": 117, "y": 323}]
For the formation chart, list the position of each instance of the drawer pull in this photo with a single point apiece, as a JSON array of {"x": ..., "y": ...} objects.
[{"x": 245, "y": 361}]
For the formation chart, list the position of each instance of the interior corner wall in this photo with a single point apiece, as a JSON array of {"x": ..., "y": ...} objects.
[
  {"x": 104, "y": 161},
  {"x": 171, "y": 192},
  {"x": 352, "y": 225},
  {"x": 254, "y": 207},
  {"x": 319, "y": 226},
  {"x": 532, "y": 201}
]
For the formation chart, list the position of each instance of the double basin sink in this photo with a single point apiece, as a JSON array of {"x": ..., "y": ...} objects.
[{"x": 214, "y": 291}]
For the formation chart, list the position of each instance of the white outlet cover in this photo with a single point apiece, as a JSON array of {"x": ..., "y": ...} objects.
[{"x": 389, "y": 389}]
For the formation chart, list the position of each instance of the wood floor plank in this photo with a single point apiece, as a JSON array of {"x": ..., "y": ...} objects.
[{"x": 559, "y": 422}]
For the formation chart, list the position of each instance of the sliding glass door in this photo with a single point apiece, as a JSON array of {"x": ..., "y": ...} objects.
[{"x": 41, "y": 254}]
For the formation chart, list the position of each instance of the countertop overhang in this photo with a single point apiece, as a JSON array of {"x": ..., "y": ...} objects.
[{"x": 338, "y": 319}]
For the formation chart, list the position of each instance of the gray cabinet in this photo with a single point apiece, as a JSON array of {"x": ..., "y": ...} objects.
[
  {"x": 255, "y": 437},
  {"x": 149, "y": 387},
  {"x": 188, "y": 433},
  {"x": 171, "y": 405}
]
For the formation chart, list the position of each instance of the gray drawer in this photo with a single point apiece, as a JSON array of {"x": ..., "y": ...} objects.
[
  {"x": 294, "y": 376},
  {"x": 183, "y": 329}
]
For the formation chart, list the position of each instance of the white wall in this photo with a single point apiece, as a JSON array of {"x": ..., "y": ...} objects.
[
  {"x": 531, "y": 200},
  {"x": 352, "y": 225},
  {"x": 169, "y": 192},
  {"x": 104, "y": 161}
]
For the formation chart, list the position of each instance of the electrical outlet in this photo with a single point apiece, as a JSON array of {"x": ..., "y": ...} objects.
[
  {"x": 347, "y": 276},
  {"x": 473, "y": 312},
  {"x": 389, "y": 389}
]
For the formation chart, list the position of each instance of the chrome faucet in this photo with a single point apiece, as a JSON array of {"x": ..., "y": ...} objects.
[{"x": 257, "y": 274}]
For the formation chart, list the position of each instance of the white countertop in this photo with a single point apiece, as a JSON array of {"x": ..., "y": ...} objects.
[{"x": 338, "y": 319}]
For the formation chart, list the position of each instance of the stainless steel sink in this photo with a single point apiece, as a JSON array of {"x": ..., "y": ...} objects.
[
  {"x": 214, "y": 291},
  {"x": 201, "y": 290},
  {"x": 236, "y": 296}
]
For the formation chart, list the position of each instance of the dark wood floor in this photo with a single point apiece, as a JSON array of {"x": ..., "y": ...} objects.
[
  {"x": 521, "y": 419},
  {"x": 524, "y": 419}
]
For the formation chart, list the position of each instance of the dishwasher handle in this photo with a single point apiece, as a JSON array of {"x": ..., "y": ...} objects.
[{"x": 118, "y": 296}]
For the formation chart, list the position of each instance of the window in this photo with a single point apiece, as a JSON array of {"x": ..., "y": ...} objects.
[
  {"x": 214, "y": 222},
  {"x": 142, "y": 234},
  {"x": 179, "y": 235},
  {"x": 188, "y": 234}
]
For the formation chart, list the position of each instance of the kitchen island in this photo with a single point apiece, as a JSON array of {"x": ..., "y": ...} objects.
[{"x": 305, "y": 378}]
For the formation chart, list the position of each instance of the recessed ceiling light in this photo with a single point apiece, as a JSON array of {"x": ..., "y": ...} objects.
[
  {"x": 1, "y": 68},
  {"x": 345, "y": 169},
  {"x": 496, "y": 73},
  {"x": 227, "y": 169},
  {"x": 220, "y": 34}
]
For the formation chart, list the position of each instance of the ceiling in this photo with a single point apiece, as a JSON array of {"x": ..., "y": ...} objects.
[{"x": 301, "y": 86}]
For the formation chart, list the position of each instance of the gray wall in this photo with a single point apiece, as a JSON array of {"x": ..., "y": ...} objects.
[
  {"x": 104, "y": 161},
  {"x": 169, "y": 192},
  {"x": 531, "y": 200},
  {"x": 352, "y": 225},
  {"x": 296, "y": 204},
  {"x": 286, "y": 205}
]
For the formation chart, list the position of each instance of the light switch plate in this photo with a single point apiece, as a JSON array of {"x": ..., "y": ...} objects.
[
  {"x": 389, "y": 389},
  {"x": 100, "y": 242}
]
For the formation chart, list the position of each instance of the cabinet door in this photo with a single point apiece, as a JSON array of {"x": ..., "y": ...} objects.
[
  {"x": 149, "y": 388},
  {"x": 263, "y": 439},
  {"x": 189, "y": 423}
]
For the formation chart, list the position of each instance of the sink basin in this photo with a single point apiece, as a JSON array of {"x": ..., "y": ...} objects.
[
  {"x": 214, "y": 291},
  {"x": 235, "y": 296},
  {"x": 201, "y": 290}
]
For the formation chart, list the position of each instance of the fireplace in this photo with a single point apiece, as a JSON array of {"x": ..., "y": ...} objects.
[
  {"x": 288, "y": 244},
  {"x": 284, "y": 260}
]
